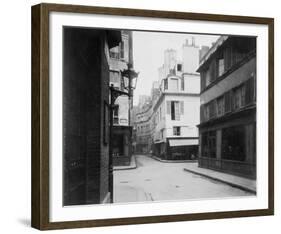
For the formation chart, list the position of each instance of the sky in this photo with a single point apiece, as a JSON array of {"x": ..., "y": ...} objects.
[{"x": 148, "y": 54}]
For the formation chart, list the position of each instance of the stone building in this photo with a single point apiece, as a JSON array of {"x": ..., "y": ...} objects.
[
  {"x": 85, "y": 114},
  {"x": 143, "y": 123},
  {"x": 176, "y": 109},
  {"x": 120, "y": 57},
  {"x": 228, "y": 106}
]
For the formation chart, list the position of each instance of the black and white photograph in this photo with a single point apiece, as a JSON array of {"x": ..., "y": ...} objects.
[{"x": 157, "y": 116}]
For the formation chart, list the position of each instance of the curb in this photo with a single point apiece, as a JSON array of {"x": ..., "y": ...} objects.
[
  {"x": 223, "y": 181},
  {"x": 172, "y": 161},
  {"x": 134, "y": 166}
]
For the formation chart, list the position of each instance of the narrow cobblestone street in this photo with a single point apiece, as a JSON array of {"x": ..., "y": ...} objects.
[{"x": 155, "y": 181}]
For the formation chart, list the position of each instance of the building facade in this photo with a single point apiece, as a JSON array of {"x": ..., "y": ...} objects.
[
  {"x": 227, "y": 126},
  {"x": 85, "y": 119},
  {"x": 143, "y": 123},
  {"x": 120, "y": 57},
  {"x": 176, "y": 110}
]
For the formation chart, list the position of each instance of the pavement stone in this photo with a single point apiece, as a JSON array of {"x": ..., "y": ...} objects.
[
  {"x": 133, "y": 165},
  {"x": 248, "y": 185},
  {"x": 171, "y": 161}
]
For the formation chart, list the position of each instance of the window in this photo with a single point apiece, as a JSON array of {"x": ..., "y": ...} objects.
[
  {"x": 209, "y": 144},
  {"x": 176, "y": 131},
  {"x": 175, "y": 110},
  {"x": 115, "y": 115},
  {"x": 249, "y": 91},
  {"x": 179, "y": 67},
  {"x": 220, "y": 106},
  {"x": 233, "y": 143},
  {"x": 162, "y": 133},
  {"x": 207, "y": 112},
  {"x": 239, "y": 97},
  {"x": 122, "y": 53},
  {"x": 174, "y": 86},
  {"x": 227, "y": 101},
  {"x": 220, "y": 64},
  {"x": 203, "y": 80},
  {"x": 213, "y": 109},
  {"x": 207, "y": 78}
]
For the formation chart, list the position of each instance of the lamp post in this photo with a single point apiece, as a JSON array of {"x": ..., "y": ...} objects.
[{"x": 129, "y": 80}]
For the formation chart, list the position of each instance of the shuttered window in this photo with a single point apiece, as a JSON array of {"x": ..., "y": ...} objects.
[
  {"x": 182, "y": 107},
  {"x": 177, "y": 110},
  {"x": 173, "y": 108}
]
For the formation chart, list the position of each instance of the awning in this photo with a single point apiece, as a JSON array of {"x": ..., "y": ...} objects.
[{"x": 182, "y": 142}]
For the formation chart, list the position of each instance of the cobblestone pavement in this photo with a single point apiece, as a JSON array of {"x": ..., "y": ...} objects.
[{"x": 157, "y": 181}]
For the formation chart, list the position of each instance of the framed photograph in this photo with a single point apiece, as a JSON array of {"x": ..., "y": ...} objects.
[{"x": 143, "y": 116}]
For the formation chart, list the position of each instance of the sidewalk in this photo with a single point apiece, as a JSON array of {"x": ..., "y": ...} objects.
[
  {"x": 133, "y": 165},
  {"x": 171, "y": 161},
  {"x": 232, "y": 180}
]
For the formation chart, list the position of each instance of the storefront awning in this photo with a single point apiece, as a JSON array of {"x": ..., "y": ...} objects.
[{"x": 182, "y": 142}]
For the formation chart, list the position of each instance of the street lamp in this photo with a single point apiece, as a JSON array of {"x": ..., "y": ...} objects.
[{"x": 129, "y": 77}]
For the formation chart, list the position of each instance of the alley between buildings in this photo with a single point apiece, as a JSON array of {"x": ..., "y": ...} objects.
[{"x": 153, "y": 180}]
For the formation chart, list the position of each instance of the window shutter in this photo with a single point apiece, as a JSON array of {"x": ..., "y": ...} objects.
[
  {"x": 249, "y": 97},
  {"x": 168, "y": 107},
  {"x": 182, "y": 83},
  {"x": 182, "y": 107},
  {"x": 228, "y": 101},
  {"x": 213, "y": 70},
  {"x": 177, "y": 110}
]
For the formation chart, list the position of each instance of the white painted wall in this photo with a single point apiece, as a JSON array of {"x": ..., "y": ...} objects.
[
  {"x": 190, "y": 65},
  {"x": 192, "y": 83},
  {"x": 188, "y": 120},
  {"x": 123, "y": 112}
]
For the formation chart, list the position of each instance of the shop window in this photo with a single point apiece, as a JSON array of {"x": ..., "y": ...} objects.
[
  {"x": 209, "y": 144},
  {"x": 233, "y": 143}
]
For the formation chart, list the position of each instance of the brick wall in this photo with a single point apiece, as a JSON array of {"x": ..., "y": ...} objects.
[{"x": 86, "y": 78}]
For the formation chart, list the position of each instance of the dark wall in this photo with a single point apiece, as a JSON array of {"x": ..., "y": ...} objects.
[{"x": 85, "y": 87}]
